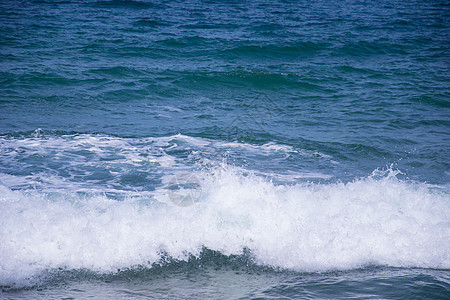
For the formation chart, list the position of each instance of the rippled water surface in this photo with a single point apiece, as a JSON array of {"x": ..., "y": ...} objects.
[{"x": 224, "y": 149}]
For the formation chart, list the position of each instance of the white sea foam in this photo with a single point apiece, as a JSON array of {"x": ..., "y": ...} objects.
[
  {"x": 70, "y": 161},
  {"x": 309, "y": 227}
]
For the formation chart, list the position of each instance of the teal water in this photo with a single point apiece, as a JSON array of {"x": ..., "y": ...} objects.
[{"x": 224, "y": 149}]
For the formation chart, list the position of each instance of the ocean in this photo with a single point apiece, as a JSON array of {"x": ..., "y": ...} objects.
[{"x": 206, "y": 149}]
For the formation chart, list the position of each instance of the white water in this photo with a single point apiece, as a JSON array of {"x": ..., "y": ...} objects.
[{"x": 306, "y": 227}]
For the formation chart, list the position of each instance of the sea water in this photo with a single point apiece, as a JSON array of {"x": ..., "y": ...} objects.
[{"x": 224, "y": 149}]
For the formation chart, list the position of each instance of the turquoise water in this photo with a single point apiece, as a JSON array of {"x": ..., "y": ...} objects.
[{"x": 224, "y": 149}]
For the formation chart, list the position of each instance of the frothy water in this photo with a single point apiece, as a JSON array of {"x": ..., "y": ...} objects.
[{"x": 379, "y": 220}]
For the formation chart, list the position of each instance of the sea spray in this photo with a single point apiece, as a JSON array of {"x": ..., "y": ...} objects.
[{"x": 303, "y": 227}]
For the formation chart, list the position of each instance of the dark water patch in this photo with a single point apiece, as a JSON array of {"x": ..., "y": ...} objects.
[
  {"x": 45, "y": 79},
  {"x": 204, "y": 25},
  {"x": 433, "y": 100},
  {"x": 118, "y": 72},
  {"x": 366, "y": 48},
  {"x": 8, "y": 57},
  {"x": 247, "y": 78},
  {"x": 368, "y": 151},
  {"x": 53, "y": 2},
  {"x": 144, "y": 53},
  {"x": 128, "y": 4},
  {"x": 435, "y": 124},
  {"x": 183, "y": 42},
  {"x": 357, "y": 70},
  {"x": 264, "y": 51},
  {"x": 149, "y": 22},
  {"x": 123, "y": 94},
  {"x": 270, "y": 79}
]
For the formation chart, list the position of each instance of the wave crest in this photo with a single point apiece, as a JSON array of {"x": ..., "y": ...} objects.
[{"x": 377, "y": 220}]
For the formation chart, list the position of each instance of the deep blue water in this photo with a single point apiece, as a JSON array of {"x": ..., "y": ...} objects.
[{"x": 224, "y": 149}]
